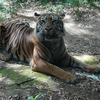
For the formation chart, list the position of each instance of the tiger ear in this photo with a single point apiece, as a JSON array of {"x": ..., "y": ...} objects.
[
  {"x": 36, "y": 14},
  {"x": 62, "y": 15}
]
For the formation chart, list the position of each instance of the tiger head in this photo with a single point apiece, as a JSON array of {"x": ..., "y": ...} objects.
[{"x": 49, "y": 26}]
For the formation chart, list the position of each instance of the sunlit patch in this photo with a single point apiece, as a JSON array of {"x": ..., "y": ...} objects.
[{"x": 89, "y": 59}]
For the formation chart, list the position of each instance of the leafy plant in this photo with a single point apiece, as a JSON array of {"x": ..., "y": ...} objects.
[
  {"x": 44, "y": 1},
  {"x": 21, "y": 1},
  {"x": 73, "y": 3},
  {"x": 32, "y": 98},
  {"x": 55, "y": 8},
  {"x": 1, "y": 17},
  {"x": 6, "y": 8}
]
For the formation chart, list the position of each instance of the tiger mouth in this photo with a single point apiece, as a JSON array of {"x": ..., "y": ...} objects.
[{"x": 50, "y": 36}]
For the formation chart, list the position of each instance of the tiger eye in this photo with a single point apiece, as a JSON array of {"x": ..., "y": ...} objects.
[
  {"x": 55, "y": 21},
  {"x": 42, "y": 21}
]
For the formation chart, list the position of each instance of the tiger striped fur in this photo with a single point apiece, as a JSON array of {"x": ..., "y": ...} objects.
[{"x": 42, "y": 47}]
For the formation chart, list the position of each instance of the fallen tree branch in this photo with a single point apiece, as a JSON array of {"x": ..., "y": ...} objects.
[{"x": 18, "y": 84}]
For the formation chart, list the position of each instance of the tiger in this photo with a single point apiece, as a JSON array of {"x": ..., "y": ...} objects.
[{"x": 42, "y": 47}]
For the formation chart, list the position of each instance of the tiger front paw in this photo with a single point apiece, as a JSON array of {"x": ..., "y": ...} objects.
[{"x": 71, "y": 79}]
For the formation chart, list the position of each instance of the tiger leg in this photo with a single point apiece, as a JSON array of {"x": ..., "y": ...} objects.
[
  {"x": 45, "y": 67},
  {"x": 86, "y": 67},
  {"x": 73, "y": 62},
  {"x": 5, "y": 56}
]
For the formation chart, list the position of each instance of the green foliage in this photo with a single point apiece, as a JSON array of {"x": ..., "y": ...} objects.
[
  {"x": 21, "y": 1},
  {"x": 55, "y": 8},
  {"x": 77, "y": 3},
  {"x": 44, "y": 1},
  {"x": 74, "y": 3},
  {"x": 1, "y": 17},
  {"x": 33, "y": 98},
  {"x": 5, "y": 8}
]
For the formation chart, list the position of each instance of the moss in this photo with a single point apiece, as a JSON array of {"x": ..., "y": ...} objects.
[
  {"x": 88, "y": 59},
  {"x": 18, "y": 74}
]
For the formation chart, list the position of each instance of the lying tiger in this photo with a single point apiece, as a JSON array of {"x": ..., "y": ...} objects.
[{"x": 43, "y": 47}]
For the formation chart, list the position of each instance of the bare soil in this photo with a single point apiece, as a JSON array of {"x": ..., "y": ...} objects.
[{"x": 82, "y": 38}]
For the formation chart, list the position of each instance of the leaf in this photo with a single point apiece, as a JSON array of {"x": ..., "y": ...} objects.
[
  {"x": 31, "y": 98},
  {"x": 50, "y": 92},
  {"x": 37, "y": 96},
  {"x": 21, "y": 5}
]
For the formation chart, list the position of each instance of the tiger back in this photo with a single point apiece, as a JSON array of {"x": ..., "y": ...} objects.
[{"x": 15, "y": 41}]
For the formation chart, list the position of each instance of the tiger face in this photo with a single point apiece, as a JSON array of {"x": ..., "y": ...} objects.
[{"x": 49, "y": 26}]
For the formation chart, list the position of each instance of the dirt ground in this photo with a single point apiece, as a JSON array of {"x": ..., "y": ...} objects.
[{"x": 82, "y": 38}]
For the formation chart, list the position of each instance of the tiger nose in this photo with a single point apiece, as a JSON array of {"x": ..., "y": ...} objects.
[{"x": 48, "y": 28}]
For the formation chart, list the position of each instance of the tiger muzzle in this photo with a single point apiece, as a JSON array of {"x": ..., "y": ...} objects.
[
  {"x": 50, "y": 33},
  {"x": 48, "y": 28}
]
